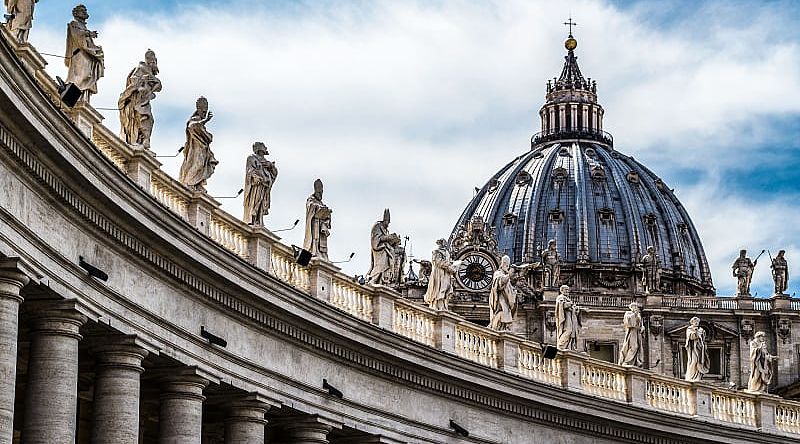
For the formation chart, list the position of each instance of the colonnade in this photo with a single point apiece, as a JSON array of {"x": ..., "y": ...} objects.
[{"x": 51, "y": 389}]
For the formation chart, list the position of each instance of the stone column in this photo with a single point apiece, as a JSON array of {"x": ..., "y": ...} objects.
[
  {"x": 245, "y": 422},
  {"x": 11, "y": 282},
  {"x": 52, "y": 390},
  {"x": 181, "y": 418},
  {"x": 310, "y": 430},
  {"x": 117, "y": 392}
]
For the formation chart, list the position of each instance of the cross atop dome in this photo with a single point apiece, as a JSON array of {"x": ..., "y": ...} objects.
[{"x": 570, "y": 23}]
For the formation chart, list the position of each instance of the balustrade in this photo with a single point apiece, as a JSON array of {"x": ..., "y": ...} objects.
[
  {"x": 700, "y": 302},
  {"x": 228, "y": 235},
  {"x": 286, "y": 269},
  {"x": 351, "y": 299},
  {"x": 762, "y": 305},
  {"x": 787, "y": 418},
  {"x": 671, "y": 396},
  {"x": 413, "y": 323},
  {"x": 476, "y": 345},
  {"x": 532, "y": 364},
  {"x": 603, "y": 381},
  {"x": 169, "y": 197},
  {"x": 605, "y": 300},
  {"x": 734, "y": 408}
]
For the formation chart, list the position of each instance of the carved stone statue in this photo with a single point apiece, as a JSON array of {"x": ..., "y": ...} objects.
[
  {"x": 566, "y": 321},
  {"x": 399, "y": 259},
  {"x": 20, "y": 20},
  {"x": 84, "y": 59},
  {"x": 780, "y": 273},
  {"x": 318, "y": 223},
  {"x": 381, "y": 269},
  {"x": 502, "y": 297},
  {"x": 425, "y": 270},
  {"x": 440, "y": 284},
  {"x": 551, "y": 265},
  {"x": 651, "y": 278},
  {"x": 135, "y": 113},
  {"x": 198, "y": 161},
  {"x": 743, "y": 270},
  {"x": 760, "y": 364},
  {"x": 259, "y": 176},
  {"x": 697, "y": 362},
  {"x": 631, "y": 352}
]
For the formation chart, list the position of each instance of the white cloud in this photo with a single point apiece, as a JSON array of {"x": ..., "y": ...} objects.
[{"x": 408, "y": 105}]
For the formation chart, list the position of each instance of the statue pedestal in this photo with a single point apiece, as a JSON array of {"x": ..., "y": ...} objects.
[
  {"x": 549, "y": 294},
  {"x": 653, "y": 300},
  {"x": 781, "y": 302}
]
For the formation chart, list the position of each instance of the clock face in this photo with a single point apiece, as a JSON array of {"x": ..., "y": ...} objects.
[{"x": 475, "y": 272}]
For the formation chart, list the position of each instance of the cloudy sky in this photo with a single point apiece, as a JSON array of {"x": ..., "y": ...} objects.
[{"x": 411, "y": 104}]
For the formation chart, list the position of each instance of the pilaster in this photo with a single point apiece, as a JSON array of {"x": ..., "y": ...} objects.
[
  {"x": 11, "y": 282},
  {"x": 199, "y": 211},
  {"x": 383, "y": 307},
  {"x": 321, "y": 274},
  {"x": 308, "y": 430},
  {"x": 445, "y": 331},
  {"x": 765, "y": 412},
  {"x": 52, "y": 389},
  {"x": 140, "y": 167},
  {"x": 509, "y": 346},
  {"x": 259, "y": 248},
  {"x": 571, "y": 368}
]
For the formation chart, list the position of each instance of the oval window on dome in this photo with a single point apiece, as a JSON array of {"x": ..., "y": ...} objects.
[
  {"x": 556, "y": 216},
  {"x": 590, "y": 152},
  {"x": 633, "y": 177},
  {"x": 606, "y": 215},
  {"x": 564, "y": 152},
  {"x": 524, "y": 178},
  {"x": 494, "y": 184},
  {"x": 650, "y": 219},
  {"x": 598, "y": 172},
  {"x": 560, "y": 175}
]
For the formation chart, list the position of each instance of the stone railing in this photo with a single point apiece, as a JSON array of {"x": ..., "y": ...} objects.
[
  {"x": 794, "y": 304},
  {"x": 169, "y": 195},
  {"x": 228, "y": 233},
  {"x": 670, "y": 395},
  {"x": 699, "y": 302},
  {"x": 606, "y": 381},
  {"x": 590, "y": 300},
  {"x": 734, "y": 408},
  {"x": 762, "y": 304},
  {"x": 413, "y": 323},
  {"x": 284, "y": 267},
  {"x": 476, "y": 344},
  {"x": 532, "y": 364},
  {"x": 351, "y": 298},
  {"x": 787, "y": 418}
]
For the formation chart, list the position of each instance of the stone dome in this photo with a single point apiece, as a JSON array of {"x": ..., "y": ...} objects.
[{"x": 602, "y": 208}]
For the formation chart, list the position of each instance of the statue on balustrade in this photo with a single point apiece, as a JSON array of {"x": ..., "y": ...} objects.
[
  {"x": 425, "y": 270},
  {"x": 760, "y": 364},
  {"x": 440, "y": 283},
  {"x": 399, "y": 259},
  {"x": 381, "y": 270},
  {"x": 697, "y": 360},
  {"x": 135, "y": 113},
  {"x": 198, "y": 161},
  {"x": 551, "y": 265},
  {"x": 318, "y": 224},
  {"x": 502, "y": 297},
  {"x": 567, "y": 320},
  {"x": 20, "y": 18},
  {"x": 743, "y": 268},
  {"x": 780, "y": 273},
  {"x": 259, "y": 176},
  {"x": 651, "y": 278},
  {"x": 84, "y": 59},
  {"x": 630, "y": 354}
]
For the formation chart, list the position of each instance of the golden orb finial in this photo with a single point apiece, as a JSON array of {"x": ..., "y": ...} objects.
[{"x": 571, "y": 43}]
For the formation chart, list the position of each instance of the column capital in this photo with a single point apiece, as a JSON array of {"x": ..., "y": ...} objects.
[
  {"x": 184, "y": 384},
  {"x": 12, "y": 279},
  {"x": 309, "y": 429},
  {"x": 119, "y": 351},
  {"x": 60, "y": 318},
  {"x": 247, "y": 410}
]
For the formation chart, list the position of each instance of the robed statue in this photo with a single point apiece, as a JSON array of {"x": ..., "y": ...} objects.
[
  {"x": 198, "y": 161},
  {"x": 440, "y": 283},
  {"x": 651, "y": 278},
  {"x": 780, "y": 273},
  {"x": 259, "y": 176},
  {"x": 551, "y": 265},
  {"x": 743, "y": 268},
  {"x": 566, "y": 320},
  {"x": 318, "y": 224},
  {"x": 382, "y": 263},
  {"x": 630, "y": 354},
  {"x": 135, "y": 113},
  {"x": 84, "y": 59},
  {"x": 502, "y": 297},
  {"x": 697, "y": 360},
  {"x": 20, "y": 18},
  {"x": 760, "y": 364}
]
